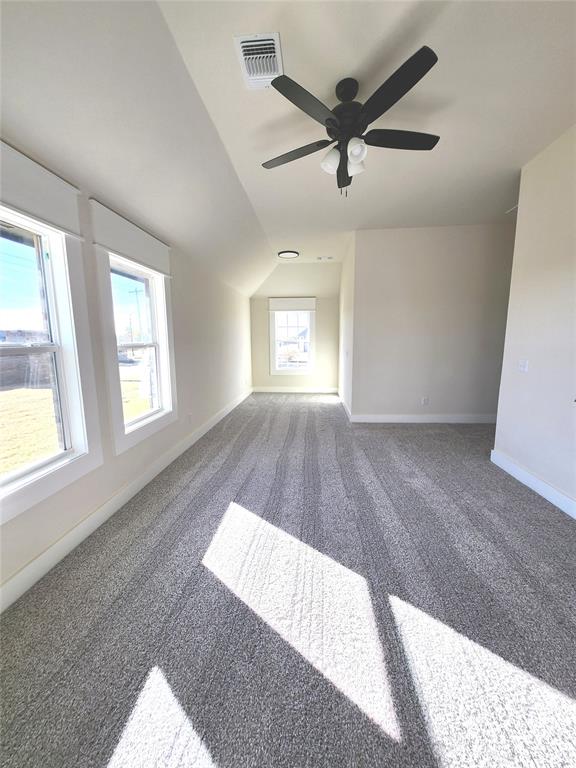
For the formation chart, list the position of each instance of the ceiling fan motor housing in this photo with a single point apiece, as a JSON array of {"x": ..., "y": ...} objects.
[
  {"x": 347, "y": 114},
  {"x": 347, "y": 89}
]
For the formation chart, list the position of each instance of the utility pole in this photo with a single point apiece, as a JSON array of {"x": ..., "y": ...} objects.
[{"x": 136, "y": 292}]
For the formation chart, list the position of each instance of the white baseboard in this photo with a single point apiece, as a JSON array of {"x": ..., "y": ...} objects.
[
  {"x": 301, "y": 390},
  {"x": 21, "y": 581},
  {"x": 423, "y": 418},
  {"x": 544, "y": 489},
  {"x": 348, "y": 413}
]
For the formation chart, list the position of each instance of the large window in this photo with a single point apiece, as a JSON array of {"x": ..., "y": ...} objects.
[
  {"x": 49, "y": 421},
  {"x": 291, "y": 337},
  {"x": 138, "y": 299},
  {"x": 46, "y": 373},
  {"x": 34, "y": 420}
]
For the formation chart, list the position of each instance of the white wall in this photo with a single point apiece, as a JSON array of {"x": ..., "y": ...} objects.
[
  {"x": 324, "y": 377},
  {"x": 166, "y": 170},
  {"x": 429, "y": 319},
  {"x": 346, "y": 345},
  {"x": 320, "y": 280},
  {"x": 536, "y": 428},
  {"x": 212, "y": 353}
]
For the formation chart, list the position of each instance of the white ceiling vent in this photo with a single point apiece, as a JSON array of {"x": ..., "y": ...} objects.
[{"x": 260, "y": 58}]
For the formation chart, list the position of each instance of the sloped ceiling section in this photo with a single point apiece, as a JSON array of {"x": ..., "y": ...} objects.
[
  {"x": 503, "y": 89},
  {"x": 98, "y": 92},
  {"x": 320, "y": 280}
]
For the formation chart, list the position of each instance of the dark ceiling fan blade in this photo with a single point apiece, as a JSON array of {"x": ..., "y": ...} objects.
[
  {"x": 398, "y": 84},
  {"x": 342, "y": 173},
  {"x": 383, "y": 137},
  {"x": 305, "y": 101},
  {"x": 296, "y": 154}
]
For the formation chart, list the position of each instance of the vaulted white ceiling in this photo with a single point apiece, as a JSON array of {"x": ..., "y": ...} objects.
[
  {"x": 504, "y": 87},
  {"x": 145, "y": 108},
  {"x": 98, "y": 92}
]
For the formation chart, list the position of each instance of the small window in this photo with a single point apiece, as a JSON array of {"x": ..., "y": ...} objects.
[
  {"x": 291, "y": 341},
  {"x": 33, "y": 409},
  {"x": 138, "y": 299}
]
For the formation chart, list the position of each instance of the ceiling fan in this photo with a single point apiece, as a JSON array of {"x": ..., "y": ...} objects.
[{"x": 347, "y": 122}]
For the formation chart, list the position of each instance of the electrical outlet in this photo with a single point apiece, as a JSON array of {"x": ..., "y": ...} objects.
[
  {"x": 425, "y": 400},
  {"x": 523, "y": 366}
]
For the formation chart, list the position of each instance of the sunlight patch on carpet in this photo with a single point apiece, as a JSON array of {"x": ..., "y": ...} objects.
[
  {"x": 481, "y": 710},
  {"x": 322, "y": 609},
  {"x": 159, "y": 733}
]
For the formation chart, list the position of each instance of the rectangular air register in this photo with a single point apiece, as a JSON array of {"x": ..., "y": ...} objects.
[{"x": 260, "y": 58}]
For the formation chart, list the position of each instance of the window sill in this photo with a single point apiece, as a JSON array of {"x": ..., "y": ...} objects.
[
  {"x": 126, "y": 437},
  {"x": 142, "y": 421},
  {"x": 295, "y": 372},
  {"x": 30, "y": 489}
]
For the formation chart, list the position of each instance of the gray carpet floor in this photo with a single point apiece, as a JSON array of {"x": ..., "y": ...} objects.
[{"x": 378, "y": 595}]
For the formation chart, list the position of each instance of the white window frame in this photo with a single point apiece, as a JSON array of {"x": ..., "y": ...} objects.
[
  {"x": 77, "y": 392},
  {"x": 128, "y": 435},
  {"x": 292, "y": 305}
]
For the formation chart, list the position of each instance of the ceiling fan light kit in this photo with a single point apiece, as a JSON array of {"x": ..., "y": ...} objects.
[
  {"x": 346, "y": 124},
  {"x": 355, "y": 168},
  {"x": 331, "y": 161},
  {"x": 357, "y": 150}
]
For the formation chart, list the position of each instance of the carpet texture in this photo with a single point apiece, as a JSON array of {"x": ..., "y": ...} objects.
[{"x": 297, "y": 591}]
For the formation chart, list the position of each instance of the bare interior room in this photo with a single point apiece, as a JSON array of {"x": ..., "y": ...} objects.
[{"x": 288, "y": 384}]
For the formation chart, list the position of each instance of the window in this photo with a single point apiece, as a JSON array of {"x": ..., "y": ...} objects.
[
  {"x": 142, "y": 350},
  {"x": 135, "y": 312},
  {"x": 33, "y": 409},
  {"x": 44, "y": 429},
  {"x": 291, "y": 336},
  {"x": 49, "y": 422},
  {"x": 137, "y": 342}
]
